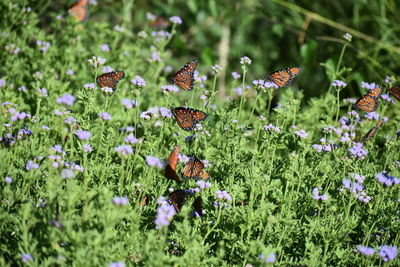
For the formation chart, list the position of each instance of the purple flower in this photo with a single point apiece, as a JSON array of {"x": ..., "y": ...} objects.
[
  {"x": 89, "y": 85},
  {"x": 67, "y": 174},
  {"x": 128, "y": 103},
  {"x": 42, "y": 92},
  {"x": 2, "y": 83},
  {"x": 368, "y": 86},
  {"x": 8, "y": 180},
  {"x": 58, "y": 149},
  {"x": 26, "y": 257},
  {"x": 175, "y": 20},
  {"x": 387, "y": 253},
  {"x": 235, "y": 75},
  {"x": 345, "y": 138},
  {"x": 339, "y": 83},
  {"x": 316, "y": 195},
  {"x": 22, "y": 88},
  {"x": 121, "y": 201},
  {"x": 165, "y": 112},
  {"x": 70, "y": 120},
  {"x": 66, "y": 99},
  {"x": 124, "y": 150},
  {"x": 155, "y": 56},
  {"x": 350, "y": 100},
  {"x": 154, "y": 161},
  {"x": 87, "y": 148},
  {"x": 366, "y": 250},
  {"x": 104, "y": 48},
  {"x": 245, "y": 60},
  {"x": 106, "y": 69},
  {"x": 216, "y": 69},
  {"x": 105, "y": 116},
  {"x": 117, "y": 264},
  {"x": 372, "y": 115},
  {"x": 318, "y": 148},
  {"x": 83, "y": 135},
  {"x": 223, "y": 195},
  {"x": 30, "y": 165},
  {"x": 270, "y": 259},
  {"x": 131, "y": 139},
  {"x": 359, "y": 178},
  {"x": 386, "y": 179},
  {"x": 272, "y": 128},
  {"x": 387, "y": 98},
  {"x": 301, "y": 133},
  {"x": 169, "y": 88},
  {"x": 138, "y": 81},
  {"x": 238, "y": 90},
  {"x": 165, "y": 213},
  {"x": 203, "y": 184},
  {"x": 69, "y": 72},
  {"x": 357, "y": 151},
  {"x": 129, "y": 129}
]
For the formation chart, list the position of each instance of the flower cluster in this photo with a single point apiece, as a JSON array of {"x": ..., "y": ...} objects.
[
  {"x": 386, "y": 253},
  {"x": 357, "y": 151},
  {"x": 272, "y": 128},
  {"x": 154, "y": 161},
  {"x": 245, "y": 60},
  {"x": 356, "y": 188},
  {"x": 120, "y": 201},
  {"x": 124, "y": 150},
  {"x": 96, "y": 61},
  {"x": 316, "y": 195},
  {"x": 165, "y": 213},
  {"x": 138, "y": 81},
  {"x": 326, "y": 145},
  {"x": 339, "y": 83},
  {"x": 386, "y": 179}
]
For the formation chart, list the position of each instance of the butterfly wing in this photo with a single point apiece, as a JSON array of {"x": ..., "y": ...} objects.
[
  {"x": 178, "y": 198},
  {"x": 376, "y": 92},
  {"x": 198, "y": 115},
  {"x": 294, "y": 71},
  {"x": 194, "y": 169},
  {"x": 371, "y": 133},
  {"x": 79, "y": 10},
  {"x": 184, "y": 118},
  {"x": 198, "y": 206},
  {"x": 110, "y": 79},
  {"x": 170, "y": 168},
  {"x": 159, "y": 22},
  {"x": 184, "y": 78},
  {"x": 366, "y": 103},
  {"x": 395, "y": 91}
]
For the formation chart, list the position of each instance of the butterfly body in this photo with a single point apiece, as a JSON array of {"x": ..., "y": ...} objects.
[
  {"x": 110, "y": 79},
  {"x": 184, "y": 78},
  {"x": 79, "y": 10},
  {"x": 369, "y": 101},
  {"x": 194, "y": 169},
  {"x": 187, "y": 118},
  {"x": 284, "y": 77}
]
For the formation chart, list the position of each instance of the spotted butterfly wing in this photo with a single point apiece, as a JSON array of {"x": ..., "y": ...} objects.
[
  {"x": 178, "y": 198},
  {"x": 170, "y": 168},
  {"x": 79, "y": 10},
  {"x": 184, "y": 78},
  {"x": 371, "y": 133},
  {"x": 159, "y": 22},
  {"x": 369, "y": 101},
  {"x": 110, "y": 79},
  {"x": 194, "y": 169},
  {"x": 376, "y": 92},
  {"x": 284, "y": 77},
  {"x": 187, "y": 118},
  {"x": 395, "y": 91}
]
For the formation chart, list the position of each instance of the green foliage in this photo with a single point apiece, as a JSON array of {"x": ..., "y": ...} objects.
[{"x": 58, "y": 199}]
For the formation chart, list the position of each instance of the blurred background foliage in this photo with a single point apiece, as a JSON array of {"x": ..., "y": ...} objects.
[{"x": 273, "y": 33}]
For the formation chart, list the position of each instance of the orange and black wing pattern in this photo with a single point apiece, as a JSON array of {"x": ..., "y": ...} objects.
[
  {"x": 369, "y": 101},
  {"x": 159, "y": 22},
  {"x": 110, "y": 79},
  {"x": 194, "y": 169},
  {"x": 284, "y": 77},
  {"x": 198, "y": 206},
  {"x": 184, "y": 78},
  {"x": 170, "y": 168},
  {"x": 395, "y": 91},
  {"x": 79, "y": 10},
  {"x": 371, "y": 133},
  {"x": 187, "y": 118},
  {"x": 178, "y": 198}
]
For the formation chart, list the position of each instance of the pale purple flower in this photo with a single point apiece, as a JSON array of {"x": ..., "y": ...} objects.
[
  {"x": 301, "y": 133},
  {"x": 69, "y": 72},
  {"x": 43, "y": 45},
  {"x": 368, "y": 86},
  {"x": 83, "y": 135},
  {"x": 238, "y": 90},
  {"x": 128, "y": 103},
  {"x": 121, "y": 201},
  {"x": 350, "y": 100},
  {"x": 155, "y": 56},
  {"x": 270, "y": 259},
  {"x": 67, "y": 174},
  {"x": 30, "y": 165},
  {"x": 165, "y": 213},
  {"x": 175, "y": 20},
  {"x": 223, "y": 195},
  {"x": 42, "y": 92},
  {"x": 8, "y": 180},
  {"x": 69, "y": 120},
  {"x": 390, "y": 80},
  {"x": 105, "y": 116},
  {"x": 129, "y": 129},
  {"x": 245, "y": 60},
  {"x": 12, "y": 49},
  {"x": 2, "y": 83},
  {"x": 272, "y": 128},
  {"x": 353, "y": 114},
  {"x": 388, "y": 253},
  {"x": 169, "y": 88},
  {"x": 93, "y": 2},
  {"x": 89, "y": 85},
  {"x": 117, "y": 264},
  {"x": 107, "y": 90},
  {"x": 357, "y": 151},
  {"x": 372, "y": 115},
  {"x": 316, "y": 195},
  {"x": 164, "y": 112},
  {"x": 124, "y": 150},
  {"x": 87, "y": 148},
  {"x": 329, "y": 129},
  {"x": 96, "y": 61},
  {"x": 104, "y": 48},
  {"x": 203, "y": 184},
  {"x": 216, "y": 69},
  {"x": 339, "y": 83},
  {"x": 131, "y": 139},
  {"x": 345, "y": 138},
  {"x": 22, "y": 89},
  {"x": 387, "y": 98},
  {"x": 359, "y": 178},
  {"x": 66, "y": 100},
  {"x": 119, "y": 28},
  {"x": 58, "y": 149},
  {"x": 386, "y": 179},
  {"x": 235, "y": 75},
  {"x": 106, "y": 69},
  {"x": 26, "y": 257},
  {"x": 154, "y": 161},
  {"x": 366, "y": 250},
  {"x": 318, "y": 148}
]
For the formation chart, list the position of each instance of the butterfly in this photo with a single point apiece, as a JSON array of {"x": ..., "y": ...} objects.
[
  {"x": 159, "y": 22},
  {"x": 369, "y": 101},
  {"x": 79, "y": 10},
  {"x": 372, "y": 132},
  {"x": 110, "y": 79},
  {"x": 395, "y": 91},
  {"x": 187, "y": 118},
  {"x": 184, "y": 78},
  {"x": 170, "y": 168},
  {"x": 284, "y": 77},
  {"x": 194, "y": 169},
  {"x": 178, "y": 198},
  {"x": 144, "y": 201},
  {"x": 198, "y": 206}
]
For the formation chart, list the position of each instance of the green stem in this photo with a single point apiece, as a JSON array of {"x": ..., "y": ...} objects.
[
  {"x": 252, "y": 110},
  {"x": 243, "y": 88}
]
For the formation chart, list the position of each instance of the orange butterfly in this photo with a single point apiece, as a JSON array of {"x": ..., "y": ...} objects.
[
  {"x": 372, "y": 132},
  {"x": 187, "y": 118},
  {"x": 170, "y": 168},
  {"x": 395, "y": 91},
  {"x": 184, "y": 78},
  {"x": 284, "y": 77},
  {"x": 178, "y": 198},
  {"x": 79, "y": 10},
  {"x": 369, "y": 101},
  {"x": 194, "y": 170},
  {"x": 110, "y": 79},
  {"x": 159, "y": 22}
]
